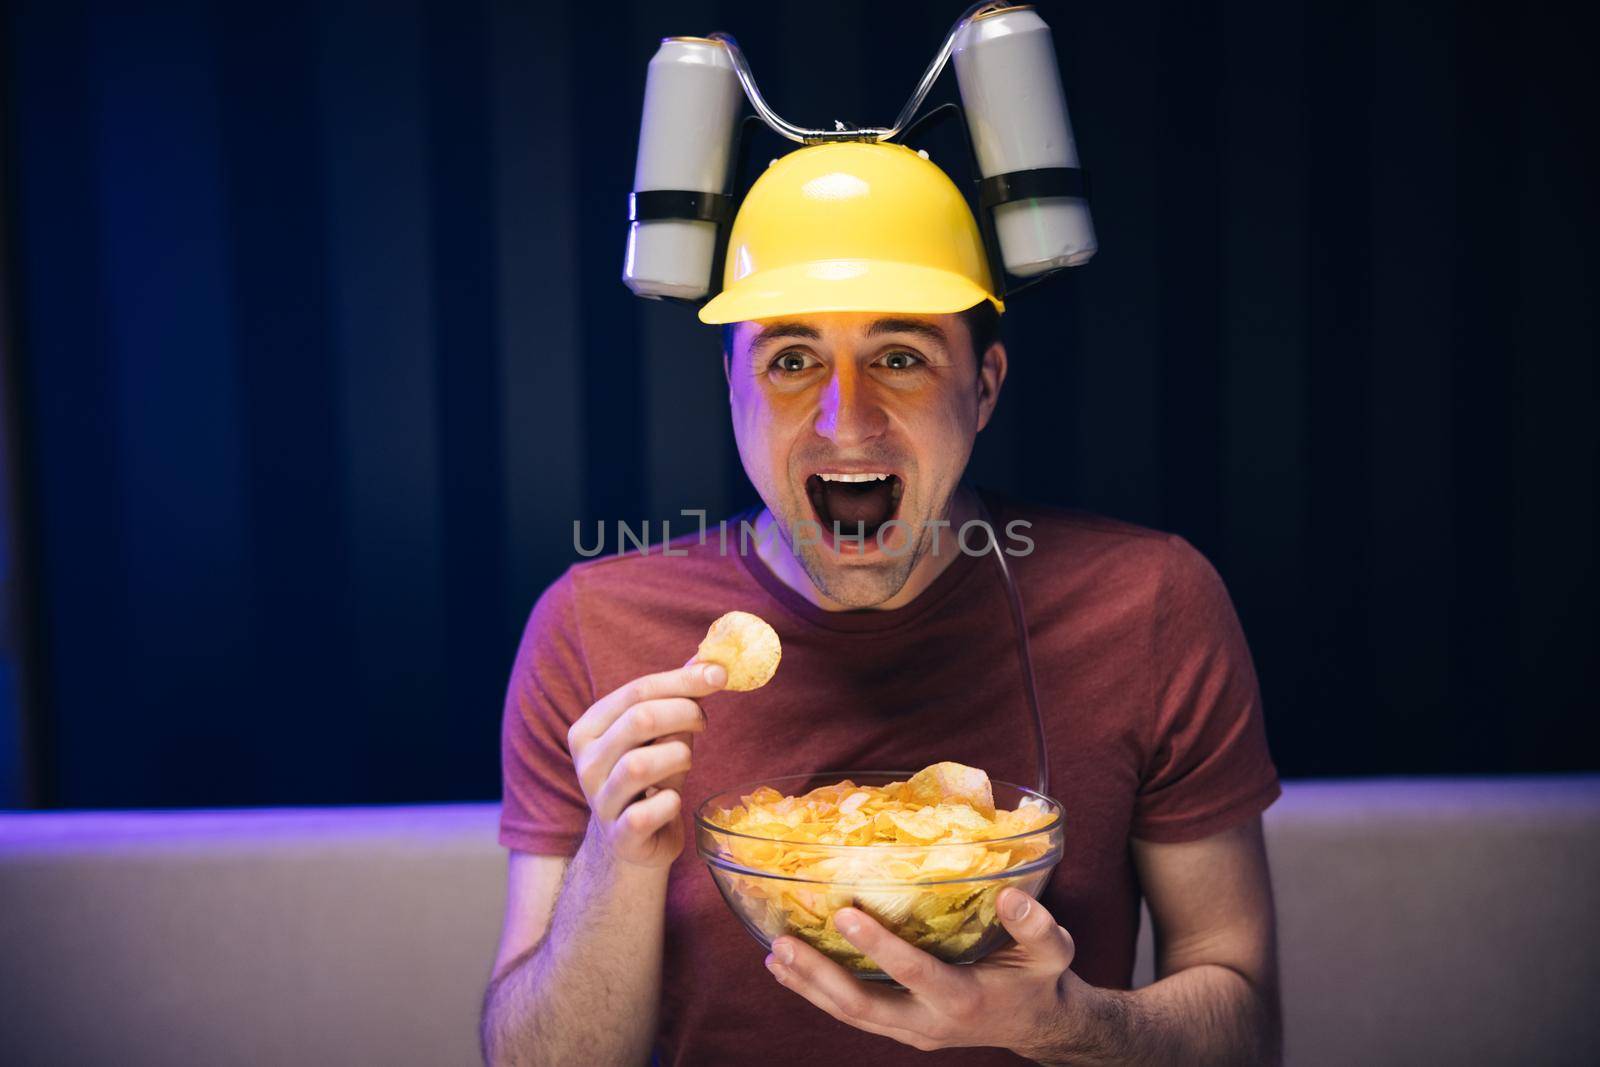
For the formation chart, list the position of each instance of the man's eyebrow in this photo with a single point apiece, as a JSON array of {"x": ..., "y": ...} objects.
[
  {"x": 916, "y": 327},
  {"x": 777, "y": 330}
]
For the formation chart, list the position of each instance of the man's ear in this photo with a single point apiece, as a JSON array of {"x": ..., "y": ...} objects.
[
  {"x": 730, "y": 339},
  {"x": 991, "y": 376}
]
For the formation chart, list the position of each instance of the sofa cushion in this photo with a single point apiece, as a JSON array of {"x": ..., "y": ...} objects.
[{"x": 1444, "y": 921}]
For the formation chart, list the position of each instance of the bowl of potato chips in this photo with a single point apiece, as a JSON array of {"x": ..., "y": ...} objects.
[{"x": 925, "y": 854}]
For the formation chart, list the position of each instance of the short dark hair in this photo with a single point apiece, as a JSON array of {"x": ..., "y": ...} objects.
[{"x": 983, "y": 324}]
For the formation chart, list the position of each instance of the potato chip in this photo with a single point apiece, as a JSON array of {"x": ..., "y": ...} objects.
[
  {"x": 933, "y": 880},
  {"x": 745, "y": 646},
  {"x": 952, "y": 783}
]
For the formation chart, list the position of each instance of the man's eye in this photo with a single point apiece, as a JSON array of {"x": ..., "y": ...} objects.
[
  {"x": 791, "y": 362},
  {"x": 901, "y": 360}
]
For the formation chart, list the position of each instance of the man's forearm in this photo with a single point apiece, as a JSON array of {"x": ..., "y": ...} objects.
[
  {"x": 1201, "y": 1015},
  {"x": 589, "y": 991}
]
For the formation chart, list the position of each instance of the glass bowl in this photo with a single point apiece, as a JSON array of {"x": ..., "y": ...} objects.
[{"x": 950, "y": 917}]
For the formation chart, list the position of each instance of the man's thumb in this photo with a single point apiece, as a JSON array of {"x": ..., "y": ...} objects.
[
  {"x": 1035, "y": 929},
  {"x": 715, "y": 674}
]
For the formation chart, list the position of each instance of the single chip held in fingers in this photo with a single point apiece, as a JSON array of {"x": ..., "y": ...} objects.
[
  {"x": 952, "y": 783},
  {"x": 746, "y": 646}
]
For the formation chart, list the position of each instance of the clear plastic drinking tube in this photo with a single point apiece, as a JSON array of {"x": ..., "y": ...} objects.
[{"x": 1019, "y": 631}]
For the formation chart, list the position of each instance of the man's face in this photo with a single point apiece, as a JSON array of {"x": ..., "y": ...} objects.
[{"x": 858, "y": 419}]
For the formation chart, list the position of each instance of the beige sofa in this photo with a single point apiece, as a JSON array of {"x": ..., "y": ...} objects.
[{"x": 1422, "y": 922}]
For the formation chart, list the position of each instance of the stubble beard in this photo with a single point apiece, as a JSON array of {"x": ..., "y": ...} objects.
[{"x": 854, "y": 586}]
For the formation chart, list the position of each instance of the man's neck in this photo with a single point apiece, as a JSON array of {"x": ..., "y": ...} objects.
[{"x": 774, "y": 551}]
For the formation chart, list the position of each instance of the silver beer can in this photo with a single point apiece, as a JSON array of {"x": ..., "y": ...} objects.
[
  {"x": 692, "y": 102},
  {"x": 1010, "y": 88}
]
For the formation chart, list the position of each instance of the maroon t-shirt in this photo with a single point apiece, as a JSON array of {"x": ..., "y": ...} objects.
[{"x": 1151, "y": 710}]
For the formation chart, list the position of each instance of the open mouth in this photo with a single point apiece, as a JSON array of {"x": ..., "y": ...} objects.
[{"x": 859, "y": 502}]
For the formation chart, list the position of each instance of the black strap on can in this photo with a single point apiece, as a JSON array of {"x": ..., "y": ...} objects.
[
  {"x": 653, "y": 204},
  {"x": 1033, "y": 185}
]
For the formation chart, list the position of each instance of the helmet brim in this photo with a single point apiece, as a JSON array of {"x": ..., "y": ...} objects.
[{"x": 846, "y": 285}]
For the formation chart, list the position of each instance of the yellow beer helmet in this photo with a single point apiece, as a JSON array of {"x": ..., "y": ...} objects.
[{"x": 852, "y": 226}]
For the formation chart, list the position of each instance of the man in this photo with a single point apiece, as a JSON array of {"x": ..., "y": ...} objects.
[{"x": 862, "y": 359}]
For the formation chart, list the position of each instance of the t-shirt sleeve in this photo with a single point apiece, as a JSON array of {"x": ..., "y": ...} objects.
[
  {"x": 543, "y": 809},
  {"x": 1207, "y": 768}
]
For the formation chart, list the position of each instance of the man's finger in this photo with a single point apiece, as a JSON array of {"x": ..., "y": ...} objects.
[
  {"x": 803, "y": 970},
  {"x": 692, "y": 680},
  {"x": 913, "y": 968},
  {"x": 677, "y": 781},
  {"x": 1035, "y": 930},
  {"x": 638, "y": 770},
  {"x": 641, "y": 724},
  {"x": 641, "y": 819}
]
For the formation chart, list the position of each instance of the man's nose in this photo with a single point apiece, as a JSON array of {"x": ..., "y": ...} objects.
[{"x": 848, "y": 413}]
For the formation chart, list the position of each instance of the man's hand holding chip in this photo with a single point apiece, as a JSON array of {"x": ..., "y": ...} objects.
[
  {"x": 632, "y": 747},
  {"x": 1023, "y": 997},
  {"x": 632, "y": 751}
]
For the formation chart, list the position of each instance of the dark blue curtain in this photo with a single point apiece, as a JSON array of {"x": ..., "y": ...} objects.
[{"x": 323, "y": 349}]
